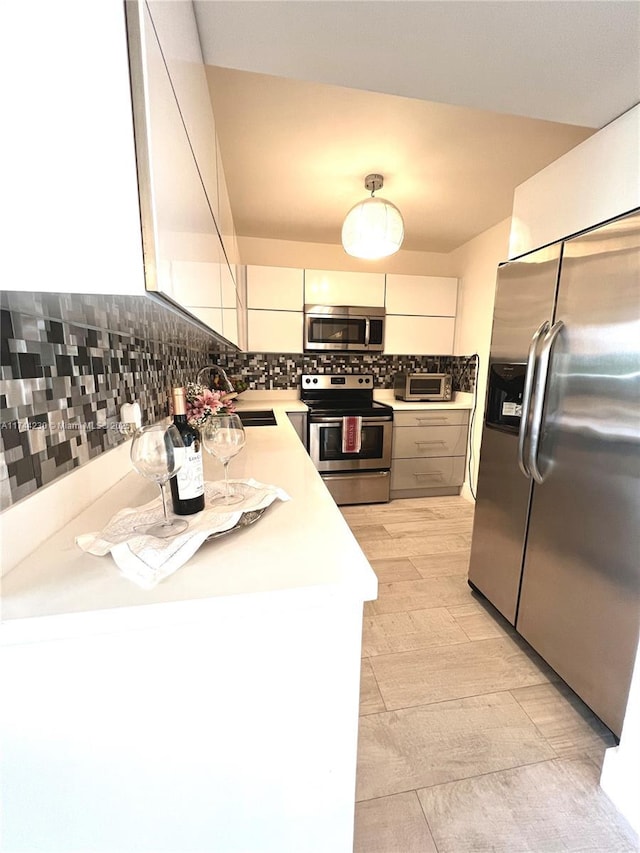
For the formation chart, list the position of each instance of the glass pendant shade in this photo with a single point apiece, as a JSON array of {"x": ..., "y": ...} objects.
[{"x": 373, "y": 229}]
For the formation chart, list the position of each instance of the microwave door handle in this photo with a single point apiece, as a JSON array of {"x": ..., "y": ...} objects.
[
  {"x": 538, "y": 402},
  {"x": 367, "y": 331},
  {"x": 532, "y": 358}
]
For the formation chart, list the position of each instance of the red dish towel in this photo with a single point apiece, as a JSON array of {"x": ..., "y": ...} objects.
[{"x": 351, "y": 434}]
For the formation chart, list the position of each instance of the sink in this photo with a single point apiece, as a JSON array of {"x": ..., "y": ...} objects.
[{"x": 262, "y": 417}]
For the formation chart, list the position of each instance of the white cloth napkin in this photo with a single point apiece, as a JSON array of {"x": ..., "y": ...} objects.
[{"x": 146, "y": 560}]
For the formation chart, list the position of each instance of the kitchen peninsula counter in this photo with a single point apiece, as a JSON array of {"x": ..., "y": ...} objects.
[
  {"x": 278, "y": 553},
  {"x": 217, "y": 711}
]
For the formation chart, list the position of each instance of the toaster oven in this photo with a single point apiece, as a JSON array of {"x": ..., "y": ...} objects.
[{"x": 423, "y": 387}]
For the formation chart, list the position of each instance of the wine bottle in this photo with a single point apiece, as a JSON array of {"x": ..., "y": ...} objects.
[{"x": 187, "y": 486}]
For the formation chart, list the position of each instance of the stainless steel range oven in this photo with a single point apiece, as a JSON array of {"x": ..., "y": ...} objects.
[{"x": 349, "y": 436}]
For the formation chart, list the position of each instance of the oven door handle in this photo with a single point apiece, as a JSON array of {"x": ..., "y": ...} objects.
[{"x": 331, "y": 419}]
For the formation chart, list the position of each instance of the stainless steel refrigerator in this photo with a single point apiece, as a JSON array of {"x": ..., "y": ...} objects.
[{"x": 556, "y": 537}]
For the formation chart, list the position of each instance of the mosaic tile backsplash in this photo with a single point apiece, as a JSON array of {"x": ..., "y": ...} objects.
[
  {"x": 69, "y": 361},
  {"x": 269, "y": 371}
]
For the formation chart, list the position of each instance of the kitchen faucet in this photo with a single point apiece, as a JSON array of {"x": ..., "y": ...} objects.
[{"x": 203, "y": 378}]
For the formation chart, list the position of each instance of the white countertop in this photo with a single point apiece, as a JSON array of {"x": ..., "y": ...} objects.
[
  {"x": 386, "y": 395},
  {"x": 291, "y": 399},
  {"x": 298, "y": 550}
]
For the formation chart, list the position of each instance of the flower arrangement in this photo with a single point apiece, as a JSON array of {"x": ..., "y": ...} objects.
[{"x": 202, "y": 403}]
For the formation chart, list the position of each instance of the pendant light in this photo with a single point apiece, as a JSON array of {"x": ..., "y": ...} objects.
[{"x": 373, "y": 228}]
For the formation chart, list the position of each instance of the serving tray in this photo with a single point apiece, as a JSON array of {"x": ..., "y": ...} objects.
[{"x": 245, "y": 520}]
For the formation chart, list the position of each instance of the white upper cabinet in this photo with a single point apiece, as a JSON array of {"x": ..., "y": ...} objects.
[
  {"x": 185, "y": 248},
  {"x": 421, "y": 295},
  {"x": 177, "y": 34},
  {"x": 274, "y": 331},
  {"x": 276, "y": 288},
  {"x": 410, "y": 335},
  {"x": 230, "y": 303},
  {"x": 327, "y": 287},
  {"x": 225, "y": 216},
  {"x": 69, "y": 189}
]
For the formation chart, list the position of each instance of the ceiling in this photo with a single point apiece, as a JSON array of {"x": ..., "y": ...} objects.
[{"x": 454, "y": 102}]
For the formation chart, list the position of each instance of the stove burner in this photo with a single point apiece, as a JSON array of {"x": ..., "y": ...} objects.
[{"x": 342, "y": 395}]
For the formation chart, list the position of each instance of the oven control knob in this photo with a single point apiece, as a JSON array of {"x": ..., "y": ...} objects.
[
  {"x": 360, "y": 380},
  {"x": 367, "y": 380},
  {"x": 315, "y": 380}
]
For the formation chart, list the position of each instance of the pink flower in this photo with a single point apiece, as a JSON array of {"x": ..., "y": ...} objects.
[{"x": 203, "y": 403}]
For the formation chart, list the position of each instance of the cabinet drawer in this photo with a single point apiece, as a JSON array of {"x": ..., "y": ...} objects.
[
  {"x": 431, "y": 417},
  {"x": 429, "y": 441},
  {"x": 441, "y": 472}
]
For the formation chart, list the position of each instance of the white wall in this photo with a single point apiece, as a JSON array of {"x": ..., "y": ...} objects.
[
  {"x": 331, "y": 256},
  {"x": 475, "y": 263},
  {"x": 595, "y": 181},
  {"x": 621, "y": 770}
]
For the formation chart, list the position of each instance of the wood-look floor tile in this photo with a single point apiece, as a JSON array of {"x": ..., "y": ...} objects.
[
  {"x": 393, "y": 824},
  {"x": 434, "y": 502},
  {"x": 429, "y": 527},
  {"x": 478, "y": 622},
  {"x": 414, "y": 629},
  {"x": 400, "y": 569},
  {"x": 398, "y": 510},
  {"x": 565, "y": 721},
  {"x": 415, "y": 747},
  {"x": 429, "y": 675},
  {"x": 415, "y": 546},
  {"x": 461, "y": 510},
  {"x": 421, "y": 594},
  {"x": 387, "y": 512},
  {"x": 449, "y": 563},
  {"x": 371, "y": 701},
  {"x": 551, "y": 807},
  {"x": 369, "y": 532}
]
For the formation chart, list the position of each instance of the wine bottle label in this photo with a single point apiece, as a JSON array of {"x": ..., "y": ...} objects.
[{"x": 190, "y": 477}]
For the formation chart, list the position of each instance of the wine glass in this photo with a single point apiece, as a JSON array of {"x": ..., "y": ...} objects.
[
  {"x": 223, "y": 437},
  {"x": 157, "y": 452}
]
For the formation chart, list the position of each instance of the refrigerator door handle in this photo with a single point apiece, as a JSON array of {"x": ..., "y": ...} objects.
[
  {"x": 538, "y": 400},
  {"x": 526, "y": 396}
]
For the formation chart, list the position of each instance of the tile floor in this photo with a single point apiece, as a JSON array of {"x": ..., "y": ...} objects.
[{"x": 468, "y": 742}]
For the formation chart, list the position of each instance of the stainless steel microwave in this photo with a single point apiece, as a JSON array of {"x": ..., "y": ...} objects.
[
  {"x": 341, "y": 328},
  {"x": 423, "y": 387}
]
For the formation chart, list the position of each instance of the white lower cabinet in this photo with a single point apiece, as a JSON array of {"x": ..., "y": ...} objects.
[
  {"x": 429, "y": 452},
  {"x": 274, "y": 331}
]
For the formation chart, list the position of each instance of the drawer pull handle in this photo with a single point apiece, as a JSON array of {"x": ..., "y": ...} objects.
[
  {"x": 431, "y": 419},
  {"x": 420, "y": 443},
  {"x": 435, "y": 474}
]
